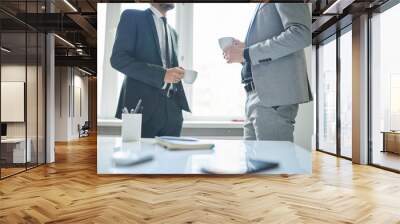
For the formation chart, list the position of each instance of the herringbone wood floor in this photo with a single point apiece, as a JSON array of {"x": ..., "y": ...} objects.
[{"x": 70, "y": 191}]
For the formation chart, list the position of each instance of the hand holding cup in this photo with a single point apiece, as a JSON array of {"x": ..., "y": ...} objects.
[{"x": 174, "y": 75}]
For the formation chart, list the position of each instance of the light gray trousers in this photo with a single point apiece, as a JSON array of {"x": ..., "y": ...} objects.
[{"x": 268, "y": 123}]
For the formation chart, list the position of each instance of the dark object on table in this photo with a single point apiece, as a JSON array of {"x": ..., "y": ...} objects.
[
  {"x": 252, "y": 166},
  {"x": 124, "y": 159}
]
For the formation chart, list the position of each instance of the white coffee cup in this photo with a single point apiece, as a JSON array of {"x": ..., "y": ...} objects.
[
  {"x": 225, "y": 42},
  {"x": 131, "y": 127},
  {"x": 190, "y": 76}
]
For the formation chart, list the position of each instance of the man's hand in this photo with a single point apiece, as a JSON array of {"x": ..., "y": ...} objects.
[
  {"x": 234, "y": 53},
  {"x": 174, "y": 75}
]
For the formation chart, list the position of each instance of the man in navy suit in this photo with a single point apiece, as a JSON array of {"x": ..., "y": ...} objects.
[{"x": 145, "y": 51}]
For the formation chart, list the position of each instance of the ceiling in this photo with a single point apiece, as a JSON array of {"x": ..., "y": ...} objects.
[
  {"x": 332, "y": 15},
  {"x": 75, "y": 43}
]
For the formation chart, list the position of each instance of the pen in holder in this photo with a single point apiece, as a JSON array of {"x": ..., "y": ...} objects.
[{"x": 131, "y": 127}]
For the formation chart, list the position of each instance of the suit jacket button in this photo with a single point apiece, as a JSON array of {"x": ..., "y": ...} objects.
[{"x": 265, "y": 60}]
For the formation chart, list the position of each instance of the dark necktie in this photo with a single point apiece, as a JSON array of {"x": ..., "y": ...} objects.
[
  {"x": 167, "y": 54},
  {"x": 170, "y": 87}
]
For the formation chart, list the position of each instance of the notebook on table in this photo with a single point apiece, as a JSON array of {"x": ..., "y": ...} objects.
[{"x": 181, "y": 143}]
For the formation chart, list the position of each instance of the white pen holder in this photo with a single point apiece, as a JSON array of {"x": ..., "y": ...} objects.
[{"x": 131, "y": 127}]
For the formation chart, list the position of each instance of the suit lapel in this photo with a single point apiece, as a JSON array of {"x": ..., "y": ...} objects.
[
  {"x": 173, "y": 47},
  {"x": 150, "y": 20},
  {"x": 260, "y": 5}
]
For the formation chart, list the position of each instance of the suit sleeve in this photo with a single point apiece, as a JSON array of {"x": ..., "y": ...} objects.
[
  {"x": 296, "y": 20},
  {"x": 123, "y": 54}
]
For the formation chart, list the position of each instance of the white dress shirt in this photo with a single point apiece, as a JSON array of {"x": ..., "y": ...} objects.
[{"x": 161, "y": 37}]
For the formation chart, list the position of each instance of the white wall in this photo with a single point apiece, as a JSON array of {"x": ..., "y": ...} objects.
[
  {"x": 108, "y": 87},
  {"x": 69, "y": 82},
  {"x": 61, "y": 103},
  {"x": 80, "y": 83},
  {"x": 304, "y": 127},
  {"x": 304, "y": 133},
  {"x": 17, "y": 73},
  {"x": 34, "y": 125}
]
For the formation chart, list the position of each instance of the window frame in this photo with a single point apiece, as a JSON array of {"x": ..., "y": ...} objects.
[
  {"x": 185, "y": 12},
  {"x": 40, "y": 59},
  {"x": 184, "y": 16},
  {"x": 334, "y": 37},
  {"x": 371, "y": 14}
]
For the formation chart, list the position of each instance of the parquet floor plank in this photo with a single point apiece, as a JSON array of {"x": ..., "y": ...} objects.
[{"x": 70, "y": 191}]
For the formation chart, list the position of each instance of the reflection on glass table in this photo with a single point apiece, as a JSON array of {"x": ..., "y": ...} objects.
[{"x": 230, "y": 154}]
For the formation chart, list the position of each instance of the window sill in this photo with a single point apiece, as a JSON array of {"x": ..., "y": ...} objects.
[
  {"x": 186, "y": 124},
  {"x": 212, "y": 124}
]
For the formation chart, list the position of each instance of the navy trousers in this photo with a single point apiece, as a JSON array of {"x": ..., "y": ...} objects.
[{"x": 166, "y": 120}]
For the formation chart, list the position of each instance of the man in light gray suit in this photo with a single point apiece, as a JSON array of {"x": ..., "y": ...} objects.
[{"x": 274, "y": 70}]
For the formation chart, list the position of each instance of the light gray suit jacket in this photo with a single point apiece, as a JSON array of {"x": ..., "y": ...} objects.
[{"x": 276, "y": 40}]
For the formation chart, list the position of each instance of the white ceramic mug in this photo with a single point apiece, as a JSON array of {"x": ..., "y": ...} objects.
[
  {"x": 190, "y": 76},
  {"x": 225, "y": 42},
  {"x": 131, "y": 127}
]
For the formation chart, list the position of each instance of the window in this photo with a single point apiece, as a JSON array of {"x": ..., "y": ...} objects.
[
  {"x": 394, "y": 101},
  {"x": 22, "y": 82},
  {"x": 385, "y": 87},
  {"x": 327, "y": 96},
  {"x": 218, "y": 90},
  {"x": 346, "y": 94},
  {"x": 217, "y": 93},
  {"x": 109, "y": 86},
  {"x": 335, "y": 94},
  {"x": 171, "y": 18}
]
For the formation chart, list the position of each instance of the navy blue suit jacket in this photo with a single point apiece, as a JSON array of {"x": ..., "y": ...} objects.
[{"x": 136, "y": 53}]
